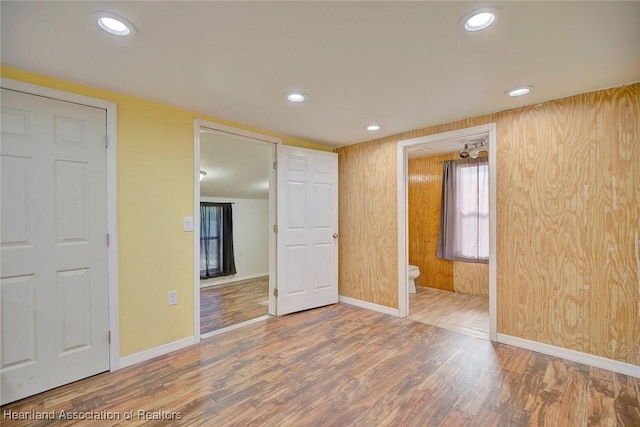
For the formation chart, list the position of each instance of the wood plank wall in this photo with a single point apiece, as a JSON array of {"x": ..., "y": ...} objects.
[
  {"x": 471, "y": 278},
  {"x": 568, "y": 212},
  {"x": 368, "y": 223},
  {"x": 424, "y": 189}
]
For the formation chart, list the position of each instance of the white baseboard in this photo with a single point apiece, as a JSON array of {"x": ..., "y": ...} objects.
[
  {"x": 132, "y": 359},
  {"x": 574, "y": 356},
  {"x": 226, "y": 280},
  {"x": 370, "y": 306},
  {"x": 232, "y": 327}
]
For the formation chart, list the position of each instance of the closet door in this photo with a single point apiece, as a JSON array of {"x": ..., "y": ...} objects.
[{"x": 54, "y": 275}]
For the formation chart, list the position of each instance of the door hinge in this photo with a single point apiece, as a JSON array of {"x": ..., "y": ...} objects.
[
  {"x": 275, "y": 292},
  {"x": 108, "y": 240},
  {"x": 275, "y": 228},
  {"x": 275, "y": 165},
  {"x": 106, "y": 141},
  {"x": 109, "y": 336}
]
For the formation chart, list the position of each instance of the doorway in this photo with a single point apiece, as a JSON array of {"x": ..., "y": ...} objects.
[
  {"x": 430, "y": 146},
  {"x": 235, "y": 197}
]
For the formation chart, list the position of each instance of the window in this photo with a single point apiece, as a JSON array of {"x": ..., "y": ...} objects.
[
  {"x": 464, "y": 214},
  {"x": 210, "y": 248}
]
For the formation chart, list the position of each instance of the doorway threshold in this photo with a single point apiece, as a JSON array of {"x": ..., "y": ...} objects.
[{"x": 236, "y": 326}]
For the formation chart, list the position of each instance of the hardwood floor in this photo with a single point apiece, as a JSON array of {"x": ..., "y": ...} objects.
[
  {"x": 233, "y": 303},
  {"x": 345, "y": 366},
  {"x": 467, "y": 314}
]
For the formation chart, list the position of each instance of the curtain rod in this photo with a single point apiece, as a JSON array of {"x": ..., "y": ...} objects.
[
  {"x": 204, "y": 201},
  {"x": 440, "y": 162}
]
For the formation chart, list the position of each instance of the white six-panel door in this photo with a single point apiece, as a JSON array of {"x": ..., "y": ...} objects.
[
  {"x": 54, "y": 284},
  {"x": 307, "y": 253}
]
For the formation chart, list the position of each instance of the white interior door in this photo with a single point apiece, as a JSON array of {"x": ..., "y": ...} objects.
[
  {"x": 307, "y": 248},
  {"x": 53, "y": 278}
]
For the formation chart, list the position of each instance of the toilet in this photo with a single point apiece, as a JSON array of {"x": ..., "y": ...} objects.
[{"x": 414, "y": 272}]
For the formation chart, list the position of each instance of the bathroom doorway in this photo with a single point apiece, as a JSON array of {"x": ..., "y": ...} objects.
[
  {"x": 235, "y": 207},
  {"x": 451, "y": 294}
]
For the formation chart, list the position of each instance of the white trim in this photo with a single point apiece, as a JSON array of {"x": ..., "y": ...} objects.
[
  {"x": 403, "y": 241},
  {"x": 55, "y": 94},
  {"x": 369, "y": 306},
  {"x": 200, "y": 125},
  {"x": 196, "y": 230},
  {"x": 493, "y": 230},
  {"x": 210, "y": 283},
  {"x": 273, "y": 237},
  {"x": 112, "y": 211},
  {"x": 574, "y": 356},
  {"x": 152, "y": 353},
  {"x": 213, "y": 127},
  {"x": 236, "y": 326}
]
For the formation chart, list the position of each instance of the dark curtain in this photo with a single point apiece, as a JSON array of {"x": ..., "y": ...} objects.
[
  {"x": 463, "y": 233},
  {"x": 445, "y": 228},
  {"x": 216, "y": 240},
  {"x": 228, "y": 260}
]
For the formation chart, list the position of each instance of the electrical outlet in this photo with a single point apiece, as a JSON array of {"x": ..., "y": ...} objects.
[{"x": 173, "y": 298}]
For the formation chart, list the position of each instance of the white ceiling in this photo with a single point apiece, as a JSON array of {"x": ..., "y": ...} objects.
[
  {"x": 236, "y": 168},
  {"x": 404, "y": 65}
]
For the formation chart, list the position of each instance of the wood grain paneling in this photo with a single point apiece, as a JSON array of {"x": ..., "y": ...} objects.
[
  {"x": 570, "y": 210},
  {"x": 425, "y": 190},
  {"x": 568, "y": 221},
  {"x": 368, "y": 217},
  {"x": 368, "y": 260},
  {"x": 471, "y": 278}
]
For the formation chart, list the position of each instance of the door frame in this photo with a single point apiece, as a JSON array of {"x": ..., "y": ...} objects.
[
  {"x": 403, "y": 220},
  {"x": 201, "y": 125},
  {"x": 112, "y": 211}
]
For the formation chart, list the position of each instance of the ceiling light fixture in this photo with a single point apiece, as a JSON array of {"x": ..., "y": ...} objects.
[
  {"x": 373, "y": 128},
  {"x": 519, "y": 91},
  {"x": 114, "y": 24},
  {"x": 473, "y": 150},
  {"x": 296, "y": 96},
  {"x": 480, "y": 19},
  {"x": 202, "y": 175}
]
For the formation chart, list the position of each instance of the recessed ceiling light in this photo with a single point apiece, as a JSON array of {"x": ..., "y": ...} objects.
[
  {"x": 519, "y": 91},
  {"x": 373, "y": 127},
  {"x": 479, "y": 19},
  {"x": 296, "y": 96},
  {"x": 114, "y": 24}
]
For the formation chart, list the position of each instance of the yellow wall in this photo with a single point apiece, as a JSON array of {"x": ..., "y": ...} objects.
[
  {"x": 154, "y": 192},
  {"x": 568, "y": 221}
]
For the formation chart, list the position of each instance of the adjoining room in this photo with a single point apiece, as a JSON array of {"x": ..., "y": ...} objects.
[
  {"x": 448, "y": 234},
  {"x": 234, "y": 230}
]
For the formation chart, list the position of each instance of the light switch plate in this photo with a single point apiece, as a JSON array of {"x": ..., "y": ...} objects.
[{"x": 187, "y": 223}]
